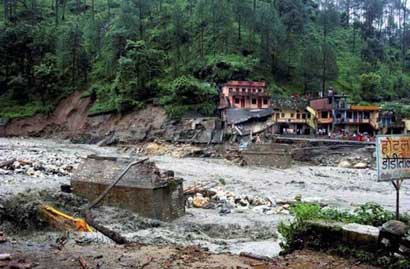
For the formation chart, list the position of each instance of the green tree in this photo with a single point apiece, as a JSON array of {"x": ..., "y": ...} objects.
[
  {"x": 187, "y": 94},
  {"x": 370, "y": 84}
]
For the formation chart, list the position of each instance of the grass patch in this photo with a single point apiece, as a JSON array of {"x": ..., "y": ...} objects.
[
  {"x": 102, "y": 107},
  {"x": 10, "y": 109}
]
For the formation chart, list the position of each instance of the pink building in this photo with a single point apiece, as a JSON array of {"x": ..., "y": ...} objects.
[{"x": 244, "y": 94}]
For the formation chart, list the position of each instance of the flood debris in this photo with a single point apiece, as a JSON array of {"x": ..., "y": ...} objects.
[
  {"x": 177, "y": 150},
  {"x": 5, "y": 256},
  {"x": 9, "y": 262},
  {"x": 34, "y": 168},
  {"x": 63, "y": 221},
  {"x": 3, "y": 238},
  {"x": 227, "y": 202},
  {"x": 235, "y": 209},
  {"x": 113, "y": 235},
  {"x": 83, "y": 263},
  {"x": 24, "y": 211},
  {"x": 7, "y": 163}
]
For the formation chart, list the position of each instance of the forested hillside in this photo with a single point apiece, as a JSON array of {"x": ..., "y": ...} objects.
[{"x": 125, "y": 52}]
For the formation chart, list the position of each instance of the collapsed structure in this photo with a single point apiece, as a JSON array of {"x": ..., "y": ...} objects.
[
  {"x": 144, "y": 189},
  {"x": 247, "y": 108}
]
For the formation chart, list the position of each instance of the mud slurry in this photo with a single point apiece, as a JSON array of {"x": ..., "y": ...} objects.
[
  {"x": 247, "y": 231},
  {"x": 22, "y": 211}
]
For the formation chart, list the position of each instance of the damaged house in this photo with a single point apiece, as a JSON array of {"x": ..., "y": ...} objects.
[
  {"x": 247, "y": 121},
  {"x": 245, "y": 107}
]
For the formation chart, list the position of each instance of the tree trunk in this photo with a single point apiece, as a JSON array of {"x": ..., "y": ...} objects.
[
  {"x": 140, "y": 21},
  {"x": 403, "y": 52},
  {"x": 78, "y": 7},
  {"x": 214, "y": 27},
  {"x": 354, "y": 38},
  {"x": 6, "y": 8},
  {"x": 64, "y": 5},
  {"x": 347, "y": 12},
  {"x": 56, "y": 10},
  {"x": 93, "y": 10},
  {"x": 239, "y": 29},
  {"x": 324, "y": 50}
]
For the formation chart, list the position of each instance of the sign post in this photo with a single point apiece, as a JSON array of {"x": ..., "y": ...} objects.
[{"x": 393, "y": 162}]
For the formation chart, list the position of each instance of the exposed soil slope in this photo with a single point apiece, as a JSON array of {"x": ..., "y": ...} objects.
[{"x": 70, "y": 119}]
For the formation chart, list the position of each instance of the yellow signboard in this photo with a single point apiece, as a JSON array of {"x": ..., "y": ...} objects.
[{"x": 393, "y": 157}]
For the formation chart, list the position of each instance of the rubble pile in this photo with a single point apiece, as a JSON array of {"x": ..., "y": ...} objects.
[
  {"x": 36, "y": 168},
  {"x": 37, "y": 163},
  {"x": 177, "y": 150},
  {"x": 9, "y": 261},
  {"x": 228, "y": 202},
  {"x": 235, "y": 157}
]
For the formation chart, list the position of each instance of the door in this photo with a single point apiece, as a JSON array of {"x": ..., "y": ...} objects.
[
  {"x": 243, "y": 102},
  {"x": 259, "y": 103}
]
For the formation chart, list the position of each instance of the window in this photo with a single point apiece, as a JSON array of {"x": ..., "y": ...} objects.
[
  {"x": 237, "y": 101},
  {"x": 282, "y": 115},
  {"x": 349, "y": 115},
  {"x": 298, "y": 116},
  {"x": 265, "y": 101},
  {"x": 292, "y": 115},
  {"x": 253, "y": 90},
  {"x": 338, "y": 115},
  {"x": 324, "y": 115},
  {"x": 230, "y": 89},
  {"x": 237, "y": 89},
  {"x": 303, "y": 115},
  {"x": 243, "y": 90},
  {"x": 366, "y": 115},
  {"x": 259, "y": 90},
  {"x": 253, "y": 101}
]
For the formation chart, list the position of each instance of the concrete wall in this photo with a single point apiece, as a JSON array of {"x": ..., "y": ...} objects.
[
  {"x": 271, "y": 155},
  {"x": 164, "y": 203}
]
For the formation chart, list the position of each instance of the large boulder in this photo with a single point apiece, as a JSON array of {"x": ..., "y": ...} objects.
[
  {"x": 345, "y": 164},
  {"x": 395, "y": 227}
]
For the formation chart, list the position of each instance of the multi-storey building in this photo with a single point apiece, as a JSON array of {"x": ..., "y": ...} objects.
[{"x": 245, "y": 95}]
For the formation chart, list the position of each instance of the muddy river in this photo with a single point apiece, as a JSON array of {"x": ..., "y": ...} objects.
[{"x": 246, "y": 230}]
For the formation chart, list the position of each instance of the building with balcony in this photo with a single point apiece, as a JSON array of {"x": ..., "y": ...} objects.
[
  {"x": 390, "y": 122},
  {"x": 333, "y": 114},
  {"x": 290, "y": 115},
  {"x": 245, "y": 95},
  {"x": 321, "y": 115},
  {"x": 360, "y": 119}
]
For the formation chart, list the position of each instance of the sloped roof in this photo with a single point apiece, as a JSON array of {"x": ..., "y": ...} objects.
[
  {"x": 321, "y": 104},
  {"x": 289, "y": 103},
  {"x": 237, "y": 115}
]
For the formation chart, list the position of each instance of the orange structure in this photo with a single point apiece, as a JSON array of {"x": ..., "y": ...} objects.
[{"x": 244, "y": 94}]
